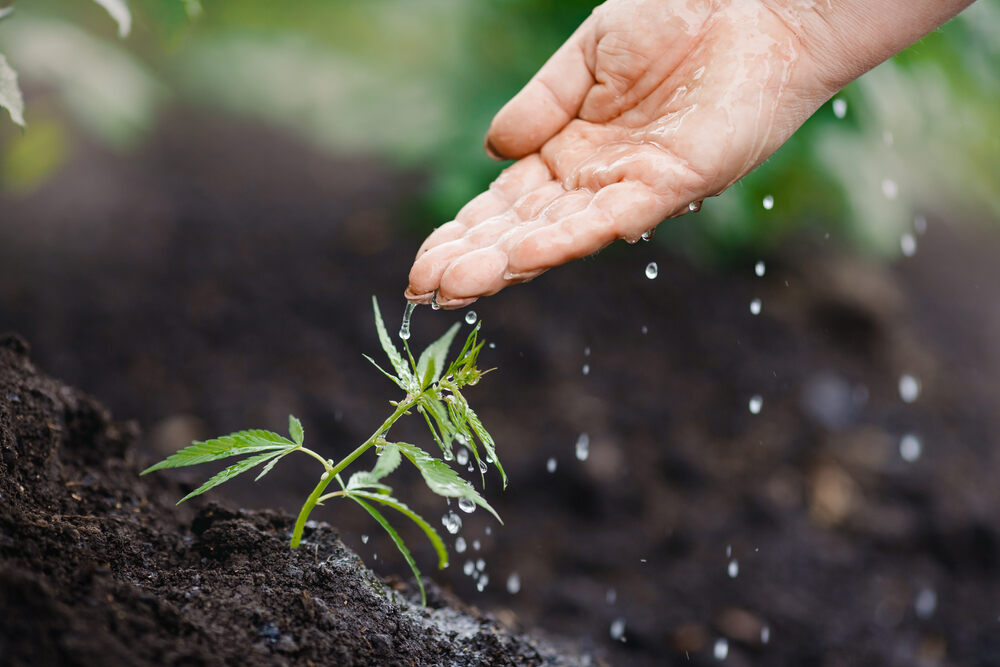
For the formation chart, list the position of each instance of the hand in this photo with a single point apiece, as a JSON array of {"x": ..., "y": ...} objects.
[{"x": 650, "y": 106}]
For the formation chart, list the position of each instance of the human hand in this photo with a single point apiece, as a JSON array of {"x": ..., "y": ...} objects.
[{"x": 649, "y": 107}]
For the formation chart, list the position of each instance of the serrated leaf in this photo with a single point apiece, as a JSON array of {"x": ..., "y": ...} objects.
[
  {"x": 436, "y": 354},
  {"x": 484, "y": 437},
  {"x": 119, "y": 11},
  {"x": 386, "y": 373},
  {"x": 10, "y": 93},
  {"x": 271, "y": 464},
  {"x": 388, "y": 460},
  {"x": 434, "y": 408},
  {"x": 375, "y": 514},
  {"x": 229, "y": 473},
  {"x": 234, "y": 444},
  {"x": 295, "y": 430},
  {"x": 432, "y": 534},
  {"x": 390, "y": 349},
  {"x": 441, "y": 479}
]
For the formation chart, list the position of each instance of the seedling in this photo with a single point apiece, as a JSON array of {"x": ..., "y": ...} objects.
[{"x": 433, "y": 388}]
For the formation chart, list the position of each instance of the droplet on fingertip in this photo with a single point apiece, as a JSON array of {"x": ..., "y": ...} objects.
[{"x": 694, "y": 206}]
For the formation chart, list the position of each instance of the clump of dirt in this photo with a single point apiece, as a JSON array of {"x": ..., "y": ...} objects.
[{"x": 98, "y": 567}]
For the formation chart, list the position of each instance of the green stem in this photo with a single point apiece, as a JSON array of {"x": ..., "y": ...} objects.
[{"x": 331, "y": 473}]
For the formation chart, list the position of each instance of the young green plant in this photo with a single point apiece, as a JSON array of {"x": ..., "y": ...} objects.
[{"x": 432, "y": 387}]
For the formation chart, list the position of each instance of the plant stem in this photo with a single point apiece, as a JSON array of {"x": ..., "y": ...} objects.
[{"x": 331, "y": 473}]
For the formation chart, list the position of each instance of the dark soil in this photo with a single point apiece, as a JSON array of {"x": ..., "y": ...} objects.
[{"x": 221, "y": 280}]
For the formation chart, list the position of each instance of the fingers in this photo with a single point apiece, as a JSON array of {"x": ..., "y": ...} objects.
[{"x": 546, "y": 103}]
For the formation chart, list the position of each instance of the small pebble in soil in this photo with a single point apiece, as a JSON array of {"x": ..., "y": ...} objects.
[
  {"x": 910, "y": 447},
  {"x": 470, "y": 317},
  {"x": 583, "y": 447},
  {"x": 909, "y": 388},
  {"x": 721, "y": 649},
  {"x": 755, "y": 404},
  {"x": 551, "y": 464},
  {"x": 652, "y": 270},
  {"x": 617, "y": 630},
  {"x": 460, "y": 545},
  {"x": 514, "y": 583},
  {"x": 466, "y": 505}
]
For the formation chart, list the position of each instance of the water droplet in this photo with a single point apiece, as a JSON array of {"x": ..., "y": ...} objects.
[
  {"x": 611, "y": 596},
  {"x": 694, "y": 206},
  {"x": 482, "y": 465},
  {"x": 583, "y": 447},
  {"x": 908, "y": 244},
  {"x": 644, "y": 330},
  {"x": 466, "y": 505},
  {"x": 375, "y": 556},
  {"x": 755, "y": 306},
  {"x": 760, "y": 269},
  {"x": 462, "y": 457},
  {"x": 447, "y": 454},
  {"x": 460, "y": 545},
  {"x": 481, "y": 583},
  {"x": 586, "y": 369},
  {"x": 652, "y": 270},
  {"x": 765, "y": 634},
  {"x": 839, "y": 107},
  {"x": 489, "y": 530},
  {"x": 734, "y": 569},
  {"x": 618, "y": 629},
  {"x": 492, "y": 345},
  {"x": 729, "y": 551},
  {"x": 756, "y": 403},
  {"x": 551, "y": 464},
  {"x": 768, "y": 202},
  {"x": 909, "y": 388},
  {"x": 325, "y": 475},
  {"x": 404, "y": 328},
  {"x": 920, "y": 224},
  {"x": 586, "y": 351},
  {"x": 469, "y": 568},
  {"x": 926, "y": 603},
  {"x": 721, "y": 649},
  {"x": 480, "y": 564},
  {"x": 434, "y": 301},
  {"x": 889, "y": 188},
  {"x": 476, "y": 545},
  {"x": 364, "y": 539},
  {"x": 910, "y": 447},
  {"x": 452, "y": 522},
  {"x": 470, "y": 317},
  {"x": 648, "y": 234},
  {"x": 514, "y": 583}
]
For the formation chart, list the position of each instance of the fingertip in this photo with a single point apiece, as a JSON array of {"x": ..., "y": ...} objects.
[{"x": 478, "y": 273}]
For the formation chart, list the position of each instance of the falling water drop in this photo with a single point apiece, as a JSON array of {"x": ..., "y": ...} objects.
[
  {"x": 694, "y": 206},
  {"x": 611, "y": 596},
  {"x": 476, "y": 545},
  {"x": 469, "y": 568},
  {"x": 586, "y": 369},
  {"x": 909, "y": 388},
  {"x": 908, "y": 244},
  {"x": 452, "y": 522},
  {"x": 721, "y": 649},
  {"x": 920, "y": 224},
  {"x": 364, "y": 539},
  {"x": 434, "y": 302},
  {"x": 768, "y": 202},
  {"x": 734, "y": 569},
  {"x": 514, "y": 583},
  {"x": 586, "y": 351},
  {"x": 583, "y": 447},
  {"x": 618, "y": 629},
  {"x": 466, "y": 505},
  {"x": 926, "y": 603},
  {"x": 839, "y": 107},
  {"x": 755, "y": 307},
  {"x": 765, "y": 634},
  {"x": 481, "y": 583},
  {"x": 652, "y": 270},
  {"x": 480, "y": 564},
  {"x": 760, "y": 269},
  {"x": 910, "y": 447},
  {"x": 648, "y": 234},
  {"x": 756, "y": 403},
  {"x": 404, "y": 328},
  {"x": 644, "y": 330},
  {"x": 462, "y": 456},
  {"x": 551, "y": 464},
  {"x": 470, "y": 317},
  {"x": 482, "y": 465},
  {"x": 460, "y": 544}
]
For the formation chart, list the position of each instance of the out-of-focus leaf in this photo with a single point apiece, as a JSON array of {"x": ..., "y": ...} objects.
[
  {"x": 10, "y": 93},
  {"x": 119, "y": 11}
]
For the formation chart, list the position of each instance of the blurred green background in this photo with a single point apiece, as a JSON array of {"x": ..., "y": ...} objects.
[{"x": 416, "y": 83}]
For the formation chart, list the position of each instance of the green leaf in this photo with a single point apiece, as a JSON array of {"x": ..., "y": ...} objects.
[
  {"x": 386, "y": 373},
  {"x": 271, "y": 464},
  {"x": 486, "y": 439},
  {"x": 10, "y": 93},
  {"x": 436, "y": 356},
  {"x": 432, "y": 535},
  {"x": 229, "y": 473},
  {"x": 441, "y": 479},
  {"x": 234, "y": 444},
  {"x": 295, "y": 430},
  {"x": 388, "y": 461},
  {"x": 119, "y": 11},
  {"x": 436, "y": 409},
  {"x": 399, "y": 543},
  {"x": 390, "y": 349},
  {"x": 5, "y": 12}
]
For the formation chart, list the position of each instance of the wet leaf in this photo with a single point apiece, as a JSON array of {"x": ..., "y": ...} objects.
[
  {"x": 234, "y": 444},
  {"x": 229, "y": 473}
]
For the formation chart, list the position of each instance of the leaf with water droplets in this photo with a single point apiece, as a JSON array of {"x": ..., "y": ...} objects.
[
  {"x": 441, "y": 479},
  {"x": 436, "y": 356},
  {"x": 432, "y": 535},
  {"x": 402, "y": 371},
  {"x": 488, "y": 443},
  {"x": 388, "y": 460}
]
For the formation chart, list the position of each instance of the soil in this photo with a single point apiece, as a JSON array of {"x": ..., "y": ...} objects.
[{"x": 220, "y": 279}]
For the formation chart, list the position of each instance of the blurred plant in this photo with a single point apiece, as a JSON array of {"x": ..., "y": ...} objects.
[{"x": 433, "y": 387}]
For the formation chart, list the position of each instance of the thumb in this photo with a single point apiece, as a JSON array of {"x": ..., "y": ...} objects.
[{"x": 546, "y": 104}]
